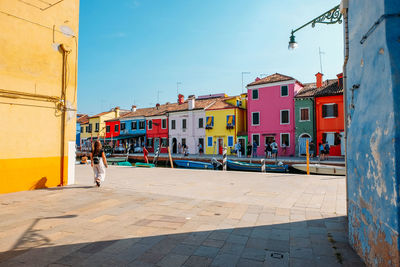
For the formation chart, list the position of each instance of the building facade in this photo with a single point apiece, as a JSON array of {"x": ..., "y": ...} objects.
[
  {"x": 81, "y": 119},
  {"x": 38, "y": 51},
  {"x": 134, "y": 132},
  {"x": 271, "y": 113}
]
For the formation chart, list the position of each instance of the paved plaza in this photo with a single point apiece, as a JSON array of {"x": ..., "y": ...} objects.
[{"x": 175, "y": 217}]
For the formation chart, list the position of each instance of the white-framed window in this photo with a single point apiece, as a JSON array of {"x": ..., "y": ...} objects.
[
  {"x": 108, "y": 128},
  {"x": 329, "y": 111},
  {"x": 255, "y": 118},
  {"x": 285, "y": 116},
  {"x": 304, "y": 114},
  {"x": 97, "y": 127},
  {"x": 133, "y": 125},
  {"x": 122, "y": 126},
  {"x": 256, "y": 138},
  {"x": 209, "y": 141},
  {"x": 284, "y": 90},
  {"x": 116, "y": 128},
  {"x": 201, "y": 123},
  {"x": 150, "y": 142},
  {"x": 183, "y": 123},
  {"x": 150, "y": 124},
  {"x": 230, "y": 141},
  {"x": 142, "y": 125},
  {"x": 285, "y": 139},
  {"x": 254, "y": 94},
  {"x": 173, "y": 124},
  {"x": 164, "y": 124}
]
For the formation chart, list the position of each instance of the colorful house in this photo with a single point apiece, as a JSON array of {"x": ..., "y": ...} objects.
[
  {"x": 271, "y": 112},
  {"x": 96, "y": 126},
  {"x": 157, "y": 129},
  {"x": 112, "y": 129},
  {"x": 34, "y": 100},
  {"x": 329, "y": 112},
  {"x": 81, "y": 119},
  {"x": 224, "y": 120},
  {"x": 187, "y": 123},
  {"x": 304, "y": 117},
  {"x": 133, "y": 127}
]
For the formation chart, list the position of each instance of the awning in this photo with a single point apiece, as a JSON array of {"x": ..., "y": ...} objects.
[{"x": 125, "y": 136}]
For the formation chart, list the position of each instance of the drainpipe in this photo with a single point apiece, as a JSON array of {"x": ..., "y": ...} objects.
[
  {"x": 345, "y": 7},
  {"x": 63, "y": 107}
]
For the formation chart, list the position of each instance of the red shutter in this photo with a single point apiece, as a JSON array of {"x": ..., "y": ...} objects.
[{"x": 324, "y": 111}]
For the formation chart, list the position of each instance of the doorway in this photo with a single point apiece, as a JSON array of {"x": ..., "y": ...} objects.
[
  {"x": 242, "y": 142},
  {"x": 220, "y": 145},
  {"x": 303, "y": 144},
  {"x": 174, "y": 146},
  {"x": 156, "y": 144},
  {"x": 201, "y": 142}
]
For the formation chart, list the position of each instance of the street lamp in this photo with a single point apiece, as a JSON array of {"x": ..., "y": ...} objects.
[{"x": 331, "y": 16}]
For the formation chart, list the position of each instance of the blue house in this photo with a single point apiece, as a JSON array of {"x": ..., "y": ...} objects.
[
  {"x": 80, "y": 119},
  {"x": 133, "y": 128}
]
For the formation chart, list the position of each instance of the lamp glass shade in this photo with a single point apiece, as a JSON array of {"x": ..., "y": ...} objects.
[{"x": 292, "y": 42}]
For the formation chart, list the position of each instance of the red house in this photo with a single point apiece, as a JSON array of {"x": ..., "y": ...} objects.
[
  {"x": 112, "y": 129},
  {"x": 157, "y": 131},
  {"x": 329, "y": 113}
]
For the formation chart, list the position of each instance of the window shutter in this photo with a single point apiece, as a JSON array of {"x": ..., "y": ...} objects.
[
  {"x": 324, "y": 111},
  {"x": 335, "y": 110}
]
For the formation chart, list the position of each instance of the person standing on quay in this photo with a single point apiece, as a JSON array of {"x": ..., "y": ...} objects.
[
  {"x": 98, "y": 162},
  {"x": 249, "y": 148},
  {"x": 274, "y": 147},
  {"x": 145, "y": 153},
  {"x": 255, "y": 149}
]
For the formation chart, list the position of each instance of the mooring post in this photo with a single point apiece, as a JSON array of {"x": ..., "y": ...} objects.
[
  {"x": 262, "y": 165},
  {"x": 224, "y": 166}
]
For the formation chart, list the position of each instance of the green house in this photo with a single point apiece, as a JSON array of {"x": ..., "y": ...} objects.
[{"x": 305, "y": 117}]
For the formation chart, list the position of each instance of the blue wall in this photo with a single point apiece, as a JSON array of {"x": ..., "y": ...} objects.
[
  {"x": 78, "y": 134},
  {"x": 134, "y": 131},
  {"x": 373, "y": 143}
]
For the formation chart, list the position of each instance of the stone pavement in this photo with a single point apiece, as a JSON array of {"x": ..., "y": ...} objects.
[{"x": 174, "y": 217}]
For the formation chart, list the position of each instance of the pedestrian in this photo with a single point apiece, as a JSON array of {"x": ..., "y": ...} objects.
[
  {"x": 269, "y": 150},
  {"x": 145, "y": 153},
  {"x": 326, "y": 149},
  {"x": 185, "y": 150},
  {"x": 284, "y": 146},
  {"x": 274, "y": 149},
  {"x": 239, "y": 150},
  {"x": 255, "y": 149},
  {"x": 179, "y": 148},
  {"x": 321, "y": 151},
  {"x": 311, "y": 149},
  {"x": 98, "y": 162},
  {"x": 200, "y": 149},
  {"x": 249, "y": 148}
]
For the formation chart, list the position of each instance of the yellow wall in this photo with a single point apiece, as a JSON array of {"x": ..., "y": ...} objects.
[
  {"x": 31, "y": 70},
  {"x": 102, "y": 125},
  {"x": 220, "y": 131}
]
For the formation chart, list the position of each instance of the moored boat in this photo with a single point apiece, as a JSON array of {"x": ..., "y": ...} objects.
[
  {"x": 255, "y": 167},
  {"x": 321, "y": 169},
  {"x": 193, "y": 164}
]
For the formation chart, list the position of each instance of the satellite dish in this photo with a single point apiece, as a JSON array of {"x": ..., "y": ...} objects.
[
  {"x": 67, "y": 31},
  {"x": 55, "y": 46}
]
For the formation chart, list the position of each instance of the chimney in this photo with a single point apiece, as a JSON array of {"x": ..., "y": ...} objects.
[
  {"x": 116, "y": 111},
  {"x": 157, "y": 106},
  {"x": 191, "y": 102},
  {"x": 340, "y": 79},
  {"x": 257, "y": 79},
  {"x": 319, "y": 79},
  {"x": 133, "y": 108},
  {"x": 181, "y": 99}
]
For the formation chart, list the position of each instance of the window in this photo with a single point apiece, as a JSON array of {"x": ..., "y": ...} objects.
[
  {"x": 285, "y": 117},
  {"x": 201, "y": 122},
  {"x": 142, "y": 125},
  {"x": 184, "y": 124},
  {"x": 97, "y": 127},
  {"x": 82, "y": 129},
  {"x": 90, "y": 128},
  {"x": 173, "y": 124},
  {"x": 133, "y": 125},
  {"x": 230, "y": 121},
  {"x": 304, "y": 114},
  {"x": 329, "y": 111},
  {"x": 150, "y": 124},
  {"x": 122, "y": 126},
  {"x": 164, "y": 142},
  {"x": 87, "y": 129},
  {"x": 230, "y": 141},
  {"x": 108, "y": 128},
  {"x": 285, "y": 139},
  {"x": 255, "y": 118},
  {"x": 164, "y": 124},
  {"x": 210, "y": 122},
  {"x": 183, "y": 141},
  {"x": 201, "y": 141},
  {"x": 256, "y": 138},
  {"x": 116, "y": 128},
  {"x": 254, "y": 94},
  {"x": 209, "y": 141},
  {"x": 284, "y": 90},
  {"x": 150, "y": 142}
]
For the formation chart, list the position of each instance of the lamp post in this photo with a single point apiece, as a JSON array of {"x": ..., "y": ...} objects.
[
  {"x": 331, "y": 16},
  {"x": 244, "y": 72}
]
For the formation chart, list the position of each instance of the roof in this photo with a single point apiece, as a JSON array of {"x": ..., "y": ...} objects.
[
  {"x": 331, "y": 88},
  {"x": 277, "y": 77},
  {"x": 221, "y": 103},
  {"x": 101, "y": 114},
  {"x": 308, "y": 90},
  {"x": 83, "y": 118}
]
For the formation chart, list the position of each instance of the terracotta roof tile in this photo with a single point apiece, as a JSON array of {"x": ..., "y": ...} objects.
[
  {"x": 83, "y": 118},
  {"x": 277, "y": 77},
  {"x": 308, "y": 90},
  {"x": 221, "y": 104},
  {"x": 331, "y": 88}
]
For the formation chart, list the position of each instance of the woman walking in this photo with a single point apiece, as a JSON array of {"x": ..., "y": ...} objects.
[{"x": 98, "y": 162}]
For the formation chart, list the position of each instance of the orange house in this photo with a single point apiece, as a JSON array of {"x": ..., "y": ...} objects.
[{"x": 329, "y": 113}]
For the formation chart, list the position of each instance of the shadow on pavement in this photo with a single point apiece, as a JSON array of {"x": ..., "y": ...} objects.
[{"x": 320, "y": 242}]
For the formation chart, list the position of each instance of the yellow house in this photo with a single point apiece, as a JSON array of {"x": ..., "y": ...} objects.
[
  {"x": 96, "y": 126},
  {"x": 224, "y": 120},
  {"x": 38, "y": 93}
]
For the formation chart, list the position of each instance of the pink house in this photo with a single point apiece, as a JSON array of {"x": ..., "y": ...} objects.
[{"x": 270, "y": 112}]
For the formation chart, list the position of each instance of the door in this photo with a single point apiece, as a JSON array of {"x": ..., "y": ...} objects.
[
  {"x": 220, "y": 146},
  {"x": 174, "y": 146},
  {"x": 303, "y": 143},
  {"x": 201, "y": 142},
  {"x": 242, "y": 142},
  {"x": 342, "y": 144},
  {"x": 156, "y": 144}
]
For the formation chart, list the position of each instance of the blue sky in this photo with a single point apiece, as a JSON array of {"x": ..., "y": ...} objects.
[{"x": 135, "y": 51}]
